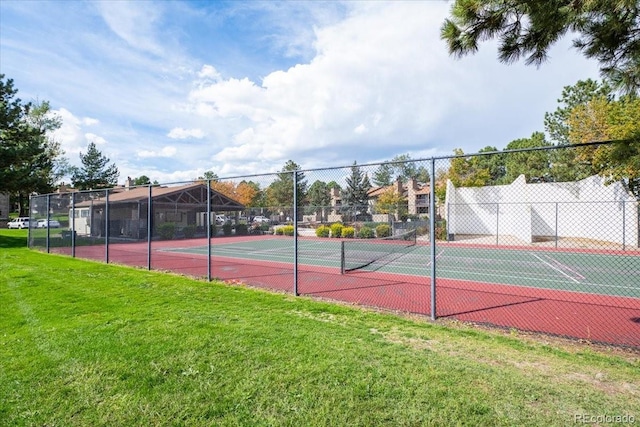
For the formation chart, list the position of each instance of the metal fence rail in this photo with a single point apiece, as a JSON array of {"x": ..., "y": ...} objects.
[{"x": 559, "y": 258}]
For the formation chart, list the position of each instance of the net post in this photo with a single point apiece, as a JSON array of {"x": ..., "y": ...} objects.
[{"x": 342, "y": 257}]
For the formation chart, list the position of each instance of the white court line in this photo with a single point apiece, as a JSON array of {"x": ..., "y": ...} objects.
[
  {"x": 566, "y": 267},
  {"x": 555, "y": 268}
]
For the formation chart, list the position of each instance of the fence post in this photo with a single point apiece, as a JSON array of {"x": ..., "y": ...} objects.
[
  {"x": 432, "y": 239},
  {"x": 149, "y": 234},
  {"x": 106, "y": 226},
  {"x": 73, "y": 225},
  {"x": 208, "y": 216},
  {"x": 48, "y": 220},
  {"x": 295, "y": 232}
]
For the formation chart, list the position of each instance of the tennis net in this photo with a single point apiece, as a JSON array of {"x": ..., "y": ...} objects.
[{"x": 371, "y": 254}]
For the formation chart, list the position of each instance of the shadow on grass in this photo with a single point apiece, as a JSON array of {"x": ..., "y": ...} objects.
[{"x": 12, "y": 242}]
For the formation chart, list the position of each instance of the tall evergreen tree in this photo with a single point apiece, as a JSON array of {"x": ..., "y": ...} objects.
[
  {"x": 355, "y": 195},
  {"x": 534, "y": 165},
  {"x": 27, "y": 152},
  {"x": 96, "y": 172},
  {"x": 401, "y": 167}
]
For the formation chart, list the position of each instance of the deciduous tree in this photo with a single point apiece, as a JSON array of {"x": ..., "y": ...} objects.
[
  {"x": 604, "y": 119},
  {"x": 390, "y": 201},
  {"x": 318, "y": 198},
  {"x": 280, "y": 192}
]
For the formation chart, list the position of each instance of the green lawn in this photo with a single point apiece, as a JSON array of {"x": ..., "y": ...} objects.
[{"x": 89, "y": 344}]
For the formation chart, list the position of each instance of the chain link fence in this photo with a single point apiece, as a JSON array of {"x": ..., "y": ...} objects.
[{"x": 490, "y": 238}]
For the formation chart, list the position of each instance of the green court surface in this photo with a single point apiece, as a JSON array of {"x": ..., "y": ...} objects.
[{"x": 595, "y": 273}]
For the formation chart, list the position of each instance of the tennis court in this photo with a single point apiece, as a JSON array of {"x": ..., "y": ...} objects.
[{"x": 582, "y": 272}]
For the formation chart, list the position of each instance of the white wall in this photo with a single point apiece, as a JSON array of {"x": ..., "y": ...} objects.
[{"x": 587, "y": 209}]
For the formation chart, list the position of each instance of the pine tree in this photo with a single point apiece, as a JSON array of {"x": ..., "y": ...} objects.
[
  {"x": 95, "y": 172},
  {"x": 355, "y": 197},
  {"x": 28, "y": 156},
  {"x": 606, "y": 31}
]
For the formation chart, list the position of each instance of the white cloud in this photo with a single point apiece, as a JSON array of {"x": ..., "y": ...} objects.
[
  {"x": 209, "y": 72},
  {"x": 134, "y": 22},
  {"x": 367, "y": 78},
  {"x": 168, "y": 151},
  {"x": 180, "y": 133},
  {"x": 71, "y": 134},
  {"x": 380, "y": 77},
  {"x": 361, "y": 129},
  {"x": 92, "y": 137}
]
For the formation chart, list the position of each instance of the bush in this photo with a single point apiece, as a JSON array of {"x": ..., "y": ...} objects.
[
  {"x": 336, "y": 229},
  {"x": 287, "y": 230},
  {"x": 441, "y": 230},
  {"x": 167, "y": 230},
  {"x": 383, "y": 230},
  {"x": 366, "y": 233},
  {"x": 189, "y": 231},
  {"x": 323, "y": 231},
  {"x": 348, "y": 232},
  {"x": 279, "y": 231},
  {"x": 242, "y": 229},
  {"x": 226, "y": 229},
  {"x": 214, "y": 230}
]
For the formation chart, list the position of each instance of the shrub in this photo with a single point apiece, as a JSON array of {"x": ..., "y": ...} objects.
[
  {"x": 287, "y": 230},
  {"x": 226, "y": 229},
  {"x": 189, "y": 231},
  {"x": 242, "y": 229},
  {"x": 279, "y": 231},
  {"x": 366, "y": 233},
  {"x": 214, "y": 230},
  {"x": 336, "y": 229},
  {"x": 422, "y": 230},
  {"x": 167, "y": 230},
  {"x": 323, "y": 231},
  {"x": 348, "y": 232},
  {"x": 383, "y": 230},
  {"x": 441, "y": 230}
]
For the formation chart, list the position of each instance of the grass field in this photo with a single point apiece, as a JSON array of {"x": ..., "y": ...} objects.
[{"x": 89, "y": 344}]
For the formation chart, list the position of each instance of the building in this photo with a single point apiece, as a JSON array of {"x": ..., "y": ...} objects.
[
  {"x": 415, "y": 194},
  {"x": 128, "y": 209}
]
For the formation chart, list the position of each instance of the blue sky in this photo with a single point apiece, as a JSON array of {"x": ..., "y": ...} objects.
[{"x": 172, "y": 89}]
